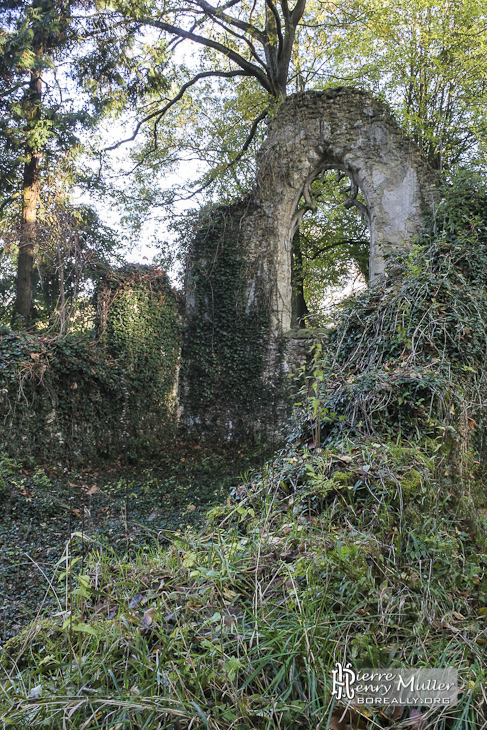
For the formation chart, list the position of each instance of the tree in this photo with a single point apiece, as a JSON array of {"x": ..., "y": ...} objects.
[
  {"x": 263, "y": 50},
  {"x": 73, "y": 250},
  {"x": 257, "y": 42},
  {"x": 429, "y": 59},
  {"x": 31, "y": 34},
  {"x": 251, "y": 55},
  {"x": 77, "y": 251},
  {"x": 331, "y": 242}
]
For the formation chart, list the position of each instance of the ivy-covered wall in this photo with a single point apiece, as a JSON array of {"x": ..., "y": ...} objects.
[
  {"x": 225, "y": 389},
  {"x": 88, "y": 397},
  {"x": 239, "y": 333}
]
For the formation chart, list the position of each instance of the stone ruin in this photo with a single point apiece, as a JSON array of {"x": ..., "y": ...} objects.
[{"x": 341, "y": 129}]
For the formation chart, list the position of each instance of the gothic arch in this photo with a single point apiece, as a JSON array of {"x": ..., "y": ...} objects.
[
  {"x": 239, "y": 338},
  {"x": 343, "y": 129}
]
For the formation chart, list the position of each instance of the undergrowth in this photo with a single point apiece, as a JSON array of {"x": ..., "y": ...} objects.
[
  {"x": 81, "y": 397},
  {"x": 364, "y": 540}
]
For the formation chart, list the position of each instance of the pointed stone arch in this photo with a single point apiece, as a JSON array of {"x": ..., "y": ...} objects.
[
  {"x": 343, "y": 129},
  {"x": 350, "y": 131}
]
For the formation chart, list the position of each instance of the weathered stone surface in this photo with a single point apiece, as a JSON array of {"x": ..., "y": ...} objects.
[{"x": 343, "y": 129}]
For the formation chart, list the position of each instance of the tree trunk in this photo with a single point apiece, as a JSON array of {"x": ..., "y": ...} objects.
[
  {"x": 299, "y": 307},
  {"x": 30, "y": 197}
]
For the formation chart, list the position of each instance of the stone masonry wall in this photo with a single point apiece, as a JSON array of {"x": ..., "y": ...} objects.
[{"x": 343, "y": 129}]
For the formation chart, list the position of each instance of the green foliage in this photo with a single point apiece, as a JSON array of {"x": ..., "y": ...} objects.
[
  {"x": 74, "y": 251},
  {"x": 408, "y": 355},
  {"x": 239, "y": 625},
  {"x": 140, "y": 321},
  {"x": 353, "y": 543},
  {"x": 226, "y": 331},
  {"x": 34, "y": 37},
  {"x": 334, "y": 244},
  {"x": 77, "y": 398},
  {"x": 119, "y": 68},
  {"x": 428, "y": 58}
]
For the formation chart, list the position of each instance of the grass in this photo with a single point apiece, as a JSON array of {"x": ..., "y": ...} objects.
[
  {"x": 126, "y": 507},
  {"x": 238, "y": 625},
  {"x": 363, "y": 540}
]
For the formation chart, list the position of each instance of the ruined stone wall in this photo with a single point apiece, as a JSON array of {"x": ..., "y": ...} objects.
[{"x": 343, "y": 129}]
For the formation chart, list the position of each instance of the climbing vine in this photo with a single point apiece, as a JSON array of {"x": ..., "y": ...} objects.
[
  {"x": 407, "y": 356},
  {"x": 226, "y": 332},
  {"x": 83, "y": 398}
]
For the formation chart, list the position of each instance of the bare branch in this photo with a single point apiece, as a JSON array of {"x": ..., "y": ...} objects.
[
  {"x": 246, "y": 145},
  {"x": 19, "y": 85},
  {"x": 297, "y": 12},
  {"x": 251, "y": 135},
  {"x": 344, "y": 242},
  {"x": 274, "y": 12},
  {"x": 285, "y": 10},
  {"x": 230, "y": 4},
  {"x": 242, "y": 24},
  {"x": 249, "y": 68},
  {"x": 160, "y": 112},
  {"x": 249, "y": 43}
]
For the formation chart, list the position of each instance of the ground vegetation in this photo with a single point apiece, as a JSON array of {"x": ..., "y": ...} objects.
[{"x": 364, "y": 538}]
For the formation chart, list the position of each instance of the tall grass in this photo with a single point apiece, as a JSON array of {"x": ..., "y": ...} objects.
[
  {"x": 363, "y": 541},
  {"x": 240, "y": 626}
]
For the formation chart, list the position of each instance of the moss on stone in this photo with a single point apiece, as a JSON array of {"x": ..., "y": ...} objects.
[
  {"x": 40, "y": 634},
  {"x": 412, "y": 483},
  {"x": 342, "y": 478},
  {"x": 412, "y": 518}
]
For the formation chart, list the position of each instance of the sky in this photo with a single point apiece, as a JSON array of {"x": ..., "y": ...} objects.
[{"x": 144, "y": 249}]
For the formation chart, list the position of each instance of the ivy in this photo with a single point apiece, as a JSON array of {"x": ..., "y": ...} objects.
[
  {"x": 83, "y": 397},
  {"x": 407, "y": 357},
  {"x": 226, "y": 332}
]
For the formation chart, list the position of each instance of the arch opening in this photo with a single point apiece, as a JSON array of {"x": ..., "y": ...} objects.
[
  {"x": 337, "y": 129},
  {"x": 312, "y": 137},
  {"x": 330, "y": 248}
]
